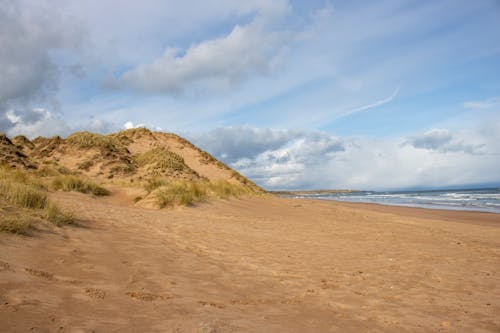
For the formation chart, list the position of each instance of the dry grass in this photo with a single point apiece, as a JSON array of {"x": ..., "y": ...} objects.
[
  {"x": 51, "y": 169},
  {"x": 180, "y": 193},
  {"x": 16, "y": 224},
  {"x": 185, "y": 193},
  {"x": 87, "y": 140},
  {"x": 30, "y": 202},
  {"x": 56, "y": 216},
  {"x": 163, "y": 159},
  {"x": 78, "y": 184},
  {"x": 19, "y": 189}
]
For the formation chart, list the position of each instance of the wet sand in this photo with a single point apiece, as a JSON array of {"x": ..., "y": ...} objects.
[{"x": 253, "y": 265}]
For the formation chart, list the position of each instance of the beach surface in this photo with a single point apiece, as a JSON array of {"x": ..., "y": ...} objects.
[{"x": 258, "y": 264}]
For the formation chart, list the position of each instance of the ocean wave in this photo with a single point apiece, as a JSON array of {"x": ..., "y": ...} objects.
[{"x": 482, "y": 200}]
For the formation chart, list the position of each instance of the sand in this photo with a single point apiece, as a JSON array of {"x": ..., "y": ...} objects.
[{"x": 262, "y": 264}]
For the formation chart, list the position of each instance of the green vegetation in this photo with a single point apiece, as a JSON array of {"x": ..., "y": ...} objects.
[{"x": 78, "y": 184}]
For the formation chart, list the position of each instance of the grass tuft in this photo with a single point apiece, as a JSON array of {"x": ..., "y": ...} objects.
[
  {"x": 180, "y": 194},
  {"x": 15, "y": 224},
  {"x": 186, "y": 193},
  {"x": 56, "y": 216},
  {"x": 87, "y": 140},
  {"x": 29, "y": 198},
  {"x": 16, "y": 188},
  {"x": 161, "y": 158},
  {"x": 78, "y": 184}
]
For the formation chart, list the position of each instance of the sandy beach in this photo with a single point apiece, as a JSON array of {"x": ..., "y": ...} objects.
[{"x": 259, "y": 264}]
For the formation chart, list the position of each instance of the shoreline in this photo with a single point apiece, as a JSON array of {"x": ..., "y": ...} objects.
[
  {"x": 468, "y": 216},
  {"x": 419, "y": 206}
]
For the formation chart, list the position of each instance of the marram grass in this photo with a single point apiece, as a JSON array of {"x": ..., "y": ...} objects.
[
  {"x": 74, "y": 183},
  {"x": 185, "y": 193},
  {"x": 15, "y": 224},
  {"x": 28, "y": 196}
]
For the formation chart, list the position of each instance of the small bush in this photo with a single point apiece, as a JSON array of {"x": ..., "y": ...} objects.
[
  {"x": 15, "y": 224},
  {"x": 75, "y": 183}
]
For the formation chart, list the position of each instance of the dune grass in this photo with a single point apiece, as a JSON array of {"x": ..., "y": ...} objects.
[
  {"x": 55, "y": 215},
  {"x": 170, "y": 193},
  {"x": 161, "y": 158},
  {"x": 87, "y": 140},
  {"x": 28, "y": 200},
  {"x": 19, "y": 189},
  {"x": 78, "y": 184},
  {"x": 15, "y": 224}
]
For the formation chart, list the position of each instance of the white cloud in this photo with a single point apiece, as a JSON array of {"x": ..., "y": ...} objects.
[
  {"x": 485, "y": 104},
  {"x": 443, "y": 140},
  {"x": 36, "y": 122},
  {"x": 278, "y": 159},
  {"x": 30, "y": 34},
  {"x": 254, "y": 48},
  {"x": 130, "y": 125}
]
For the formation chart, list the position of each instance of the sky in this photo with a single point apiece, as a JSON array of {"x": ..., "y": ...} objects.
[{"x": 375, "y": 95}]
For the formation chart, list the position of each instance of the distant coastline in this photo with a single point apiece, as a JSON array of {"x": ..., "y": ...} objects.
[
  {"x": 311, "y": 192},
  {"x": 478, "y": 199}
]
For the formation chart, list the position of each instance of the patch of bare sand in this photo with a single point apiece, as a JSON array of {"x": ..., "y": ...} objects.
[{"x": 253, "y": 265}]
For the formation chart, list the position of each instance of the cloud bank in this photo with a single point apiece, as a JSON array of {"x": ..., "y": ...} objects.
[
  {"x": 30, "y": 35},
  {"x": 287, "y": 159}
]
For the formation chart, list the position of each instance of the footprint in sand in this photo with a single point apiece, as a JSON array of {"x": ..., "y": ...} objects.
[
  {"x": 40, "y": 274},
  {"x": 95, "y": 293},
  {"x": 145, "y": 297},
  {"x": 212, "y": 304},
  {"x": 325, "y": 284},
  {"x": 4, "y": 266}
]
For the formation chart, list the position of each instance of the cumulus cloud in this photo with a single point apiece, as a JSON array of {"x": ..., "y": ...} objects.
[
  {"x": 28, "y": 73},
  {"x": 130, "y": 125},
  {"x": 442, "y": 140},
  {"x": 249, "y": 49},
  {"x": 271, "y": 156},
  {"x": 36, "y": 122},
  {"x": 291, "y": 159},
  {"x": 237, "y": 142}
]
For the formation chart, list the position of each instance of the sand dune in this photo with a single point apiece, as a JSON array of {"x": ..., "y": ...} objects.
[{"x": 260, "y": 264}]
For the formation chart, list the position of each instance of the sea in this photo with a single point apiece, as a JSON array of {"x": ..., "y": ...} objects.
[{"x": 484, "y": 200}]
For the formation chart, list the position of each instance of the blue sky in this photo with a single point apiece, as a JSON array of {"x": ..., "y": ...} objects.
[{"x": 295, "y": 94}]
